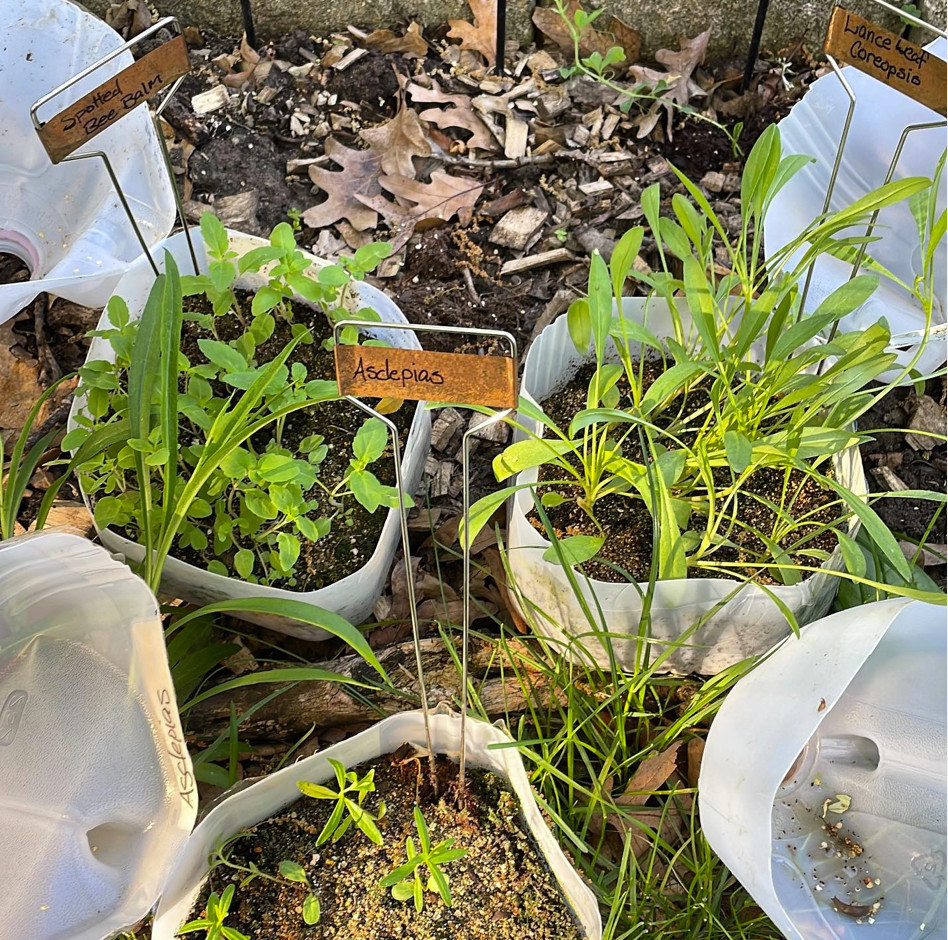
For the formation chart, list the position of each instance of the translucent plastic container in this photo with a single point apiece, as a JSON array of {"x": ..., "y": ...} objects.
[
  {"x": 97, "y": 793},
  {"x": 487, "y": 746},
  {"x": 823, "y": 783},
  {"x": 814, "y": 127},
  {"x": 66, "y": 222},
  {"x": 748, "y": 625},
  {"x": 352, "y": 597}
]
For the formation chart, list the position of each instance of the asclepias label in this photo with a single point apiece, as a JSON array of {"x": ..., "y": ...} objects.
[
  {"x": 423, "y": 375},
  {"x": 898, "y": 63}
]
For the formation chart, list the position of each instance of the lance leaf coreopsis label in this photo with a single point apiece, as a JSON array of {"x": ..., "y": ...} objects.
[
  {"x": 898, "y": 63},
  {"x": 423, "y": 375},
  {"x": 113, "y": 99}
]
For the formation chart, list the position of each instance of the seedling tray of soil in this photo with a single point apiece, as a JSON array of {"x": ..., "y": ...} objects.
[{"x": 500, "y": 888}]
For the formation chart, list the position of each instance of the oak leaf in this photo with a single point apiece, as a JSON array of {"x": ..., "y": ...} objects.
[
  {"x": 612, "y": 32},
  {"x": 359, "y": 177},
  {"x": 412, "y": 45},
  {"x": 481, "y": 35},
  {"x": 421, "y": 205},
  {"x": 397, "y": 141},
  {"x": 442, "y": 198},
  {"x": 674, "y": 88},
  {"x": 459, "y": 114}
]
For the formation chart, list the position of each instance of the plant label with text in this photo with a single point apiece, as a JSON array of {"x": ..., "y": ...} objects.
[
  {"x": 423, "y": 375},
  {"x": 112, "y": 100},
  {"x": 895, "y": 61}
]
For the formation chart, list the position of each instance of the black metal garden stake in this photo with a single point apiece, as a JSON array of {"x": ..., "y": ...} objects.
[
  {"x": 754, "y": 47},
  {"x": 249, "y": 31},
  {"x": 501, "y": 36}
]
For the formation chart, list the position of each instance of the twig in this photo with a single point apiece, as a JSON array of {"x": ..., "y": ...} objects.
[
  {"x": 51, "y": 369},
  {"x": 469, "y": 284}
]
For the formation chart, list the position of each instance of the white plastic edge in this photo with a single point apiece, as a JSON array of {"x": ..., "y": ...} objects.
[
  {"x": 263, "y": 799},
  {"x": 354, "y": 596}
]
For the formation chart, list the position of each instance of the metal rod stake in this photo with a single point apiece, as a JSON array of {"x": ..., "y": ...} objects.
[
  {"x": 465, "y": 541},
  {"x": 500, "y": 42}
]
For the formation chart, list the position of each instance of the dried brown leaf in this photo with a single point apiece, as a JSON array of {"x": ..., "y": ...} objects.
[
  {"x": 460, "y": 115},
  {"x": 681, "y": 88},
  {"x": 609, "y": 31},
  {"x": 481, "y": 35},
  {"x": 359, "y": 178},
  {"x": 412, "y": 44},
  {"x": 650, "y": 776},
  {"x": 442, "y": 198},
  {"x": 397, "y": 141}
]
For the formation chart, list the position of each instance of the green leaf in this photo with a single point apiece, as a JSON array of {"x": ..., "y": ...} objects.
[
  {"x": 293, "y": 871},
  {"x": 368, "y": 256},
  {"x": 575, "y": 549},
  {"x": 289, "y": 546},
  {"x": 109, "y": 510},
  {"x": 265, "y": 300},
  {"x": 311, "y": 910},
  {"x": 403, "y": 891},
  {"x": 366, "y": 489},
  {"x": 222, "y": 355},
  {"x": 243, "y": 562},
  {"x": 117, "y": 311},
  {"x": 579, "y": 323},
  {"x": 739, "y": 450},
  {"x": 852, "y": 555},
  {"x": 277, "y": 468},
  {"x": 256, "y": 258},
  {"x": 370, "y": 440},
  {"x": 282, "y": 237},
  {"x": 623, "y": 257},
  {"x": 214, "y": 234},
  {"x": 524, "y": 455},
  {"x": 600, "y": 302}
]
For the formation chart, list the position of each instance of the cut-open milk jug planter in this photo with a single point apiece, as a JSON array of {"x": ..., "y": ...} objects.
[
  {"x": 748, "y": 624},
  {"x": 452, "y": 827},
  {"x": 66, "y": 222},
  {"x": 98, "y": 794},
  {"x": 354, "y": 595},
  {"x": 890, "y": 136},
  {"x": 823, "y": 782}
]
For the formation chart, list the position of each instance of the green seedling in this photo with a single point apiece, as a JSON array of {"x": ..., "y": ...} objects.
[
  {"x": 218, "y": 907},
  {"x": 349, "y": 809},
  {"x": 180, "y": 467},
  {"x": 407, "y": 882}
]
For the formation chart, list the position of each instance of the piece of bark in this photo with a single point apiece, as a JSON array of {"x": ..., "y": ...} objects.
[
  {"x": 554, "y": 256},
  {"x": 517, "y": 227},
  {"x": 212, "y": 100},
  {"x": 889, "y": 479},
  {"x": 515, "y": 141},
  {"x": 928, "y": 419},
  {"x": 328, "y": 704}
]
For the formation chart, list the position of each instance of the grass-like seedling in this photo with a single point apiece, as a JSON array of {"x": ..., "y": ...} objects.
[
  {"x": 407, "y": 882},
  {"x": 348, "y": 809}
]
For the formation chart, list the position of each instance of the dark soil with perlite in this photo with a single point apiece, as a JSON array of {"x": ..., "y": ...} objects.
[
  {"x": 627, "y": 524},
  {"x": 501, "y": 889}
]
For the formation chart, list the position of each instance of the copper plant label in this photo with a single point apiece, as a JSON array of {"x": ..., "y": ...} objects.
[
  {"x": 422, "y": 375},
  {"x": 898, "y": 63},
  {"x": 112, "y": 100}
]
